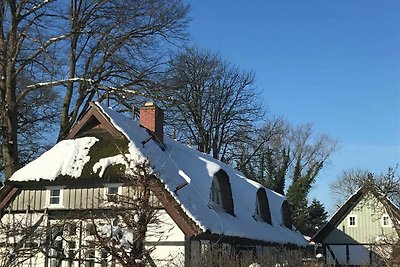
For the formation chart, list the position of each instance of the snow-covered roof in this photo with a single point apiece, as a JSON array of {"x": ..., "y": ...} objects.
[
  {"x": 67, "y": 157},
  {"x": 174, "y": 166}
]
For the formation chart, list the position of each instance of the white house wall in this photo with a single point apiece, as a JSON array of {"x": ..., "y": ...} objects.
[
  {"x": 168, "y": 241},
  {"x": 166, "y": 238}
]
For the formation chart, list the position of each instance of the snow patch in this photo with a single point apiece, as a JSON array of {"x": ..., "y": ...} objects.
[{"x": 66, "y": 158}]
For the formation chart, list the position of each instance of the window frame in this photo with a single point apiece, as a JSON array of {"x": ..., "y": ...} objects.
[
  {"x": 383, "y": 221},
  {"x": 71, "y": 250},
  {"x": 107, "y": 195},
  {"x": 220, "y": 198},
  {"x": 60, "y": 203},
  {"x": 286, "y": 216},
  {"x": 216, "y": 194},
  {"x": 349, "y": 223},
  {"x": 262, "y": 211}
]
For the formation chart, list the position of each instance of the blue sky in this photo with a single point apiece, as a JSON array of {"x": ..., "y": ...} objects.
[{"x": 335, "y": 64}]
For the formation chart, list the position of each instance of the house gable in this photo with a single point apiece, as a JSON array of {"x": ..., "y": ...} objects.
[
  {"x": 359, "y": 219},
  {"x": 92, "y": 122}
]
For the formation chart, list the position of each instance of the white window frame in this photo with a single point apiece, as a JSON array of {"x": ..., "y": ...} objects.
[
  {"x": 383, "y": 221},
  {"x": 49, "y": 196},
  {"x": 106, "y": 188},
  {"x": 349, "y": 221}
]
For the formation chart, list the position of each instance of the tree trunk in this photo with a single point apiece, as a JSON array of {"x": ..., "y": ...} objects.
[{"x": 9, "y": 107}]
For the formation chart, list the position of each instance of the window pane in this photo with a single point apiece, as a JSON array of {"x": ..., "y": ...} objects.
[
  {"x": 215, "y": 193},
  {"x": 54, "y": 200},
  {"x": 352, "y": 221},
  {"x": 71, "y": 249},
  {"x": 385, "y": 221},
  {"x": 72, "y": 230},
  {"x": 113, "y": 190},
  {"x": 112, "y": 194},
  {"x": 55, "y": 195},
  {"x": 90, "y": 229},
  {"x": 55, "y": 192}
]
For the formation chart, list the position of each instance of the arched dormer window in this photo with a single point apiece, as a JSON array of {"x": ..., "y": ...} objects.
[
  {"x": 286, "y": 216},
  {"x": 262, "y": 206},
  {"x": 221, "y": 192}
]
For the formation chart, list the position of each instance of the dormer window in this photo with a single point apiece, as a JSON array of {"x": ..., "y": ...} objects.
[
  {"x": 221, "y": 192},
  {"x": 286, "y": 216},
  {"x": 216, "y": 197},
  {"x": 262, "y": 207}
]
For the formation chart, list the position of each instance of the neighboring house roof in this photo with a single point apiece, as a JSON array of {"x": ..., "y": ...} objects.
[
  {"x": 185, "y": 173},
  {"x": 349, "y": 205}
]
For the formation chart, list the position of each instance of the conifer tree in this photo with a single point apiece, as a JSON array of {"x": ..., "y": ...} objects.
[{"x": 316, "y": 217}]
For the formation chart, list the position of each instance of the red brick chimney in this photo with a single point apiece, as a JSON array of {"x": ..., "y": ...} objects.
[{"x": 151, "y": 117}]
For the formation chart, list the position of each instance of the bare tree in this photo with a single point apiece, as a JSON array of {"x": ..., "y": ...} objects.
[
  {"x": 120, "y": 230},
  {"x": 293, "y": 155},
  {"x": 114, "y": 232},
  {"x": 21, "y": 237},
  {"x": 348, "y": 183},
  {"x": 108, "y": 43},
  {"x": 212, "y": 103},
  {"x": 117, "y": 45},
  {"x": 117, "y": 230},
  {"x": 350, "y": 180},
  {"x": 384, "y": 197},
  {"x": 24, "y": 45},
  {"x": 281, "y": 152}
]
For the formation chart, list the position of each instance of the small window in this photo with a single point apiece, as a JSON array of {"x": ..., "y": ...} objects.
[
  {"x": 216, "y": 197},
  {"x": 90, "y": 254},
  {"x": 386, "y": 222},
  {"x": 111, "y": 192},
  {"x": 286, "y": 215},
  {"x": 221, "y": 193},
  {"x": 55, "y": 196},
  {"x": 104, "y": 257},
  {"x": 352, "y": 221},
  {"x": 71, "y": 249},
  {"x": 72, "y": 229},
  {"x": 90, "y": 257},
  {"x": 262, "y": 207},
  {"x": 90, "y": 229}
]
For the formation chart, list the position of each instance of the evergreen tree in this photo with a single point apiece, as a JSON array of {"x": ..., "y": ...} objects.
[{"x": 316, "y": 217}]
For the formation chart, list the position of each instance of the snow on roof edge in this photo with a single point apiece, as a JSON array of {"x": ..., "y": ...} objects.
[{"x": 221, "y": 165}]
